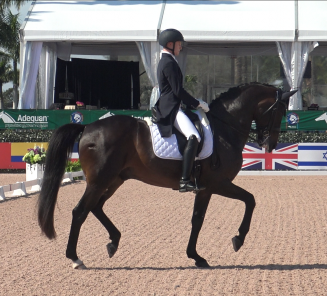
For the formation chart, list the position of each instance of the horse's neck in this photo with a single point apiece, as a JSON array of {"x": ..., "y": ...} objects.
[
  {"x": 241, "y": 112},
  {"x": 237, "y": 121}
]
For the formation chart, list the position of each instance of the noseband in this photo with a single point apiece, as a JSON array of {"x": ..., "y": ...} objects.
[{"x": 266, "y": 130}]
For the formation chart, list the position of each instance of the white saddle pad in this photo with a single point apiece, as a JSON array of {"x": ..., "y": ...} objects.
[{"x": 167, "y": 148}]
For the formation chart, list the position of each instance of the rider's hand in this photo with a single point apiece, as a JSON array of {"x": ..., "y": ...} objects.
[{"x": 203, "y": 105}]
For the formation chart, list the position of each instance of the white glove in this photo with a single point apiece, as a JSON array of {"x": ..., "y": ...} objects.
[{"x": 203, "y": 105}]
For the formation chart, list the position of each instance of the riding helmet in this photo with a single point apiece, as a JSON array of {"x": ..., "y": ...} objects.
[{"x": 170, "y": 35}]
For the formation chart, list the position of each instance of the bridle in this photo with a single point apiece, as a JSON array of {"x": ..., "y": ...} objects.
[{"x": 265, "y": 130}]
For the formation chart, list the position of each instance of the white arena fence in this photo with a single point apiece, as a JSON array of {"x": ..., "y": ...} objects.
[
  {"x": 19, "y": 188},
  {"x": 283, "y": 173}
]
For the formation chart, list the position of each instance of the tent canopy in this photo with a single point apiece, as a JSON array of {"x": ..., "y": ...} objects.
[
  {"x": 210, "y": 27},
  {"x": 104, "y": 21},
  {"x": 60, "y": 28},
  {"x": 231, "y": 20},
  {"x": 312, "y": 20},
  {"x": 93, "y": 20}
]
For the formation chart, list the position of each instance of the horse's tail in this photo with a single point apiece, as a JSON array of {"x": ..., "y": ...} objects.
[{"x": 60, "y": 147}]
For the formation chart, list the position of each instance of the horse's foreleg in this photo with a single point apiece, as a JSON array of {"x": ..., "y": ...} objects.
[
  {"x": 232, "y": 191},
  {"x": 114, "y": 233},
  {"x": 80, "y": 212},
  {"x": 200, "y": 207}
]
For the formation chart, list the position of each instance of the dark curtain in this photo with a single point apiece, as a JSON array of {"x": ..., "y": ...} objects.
[
  {"x": 136, "y": 84},
  {"x": 63, "y": 67},
  {"x": 109, "y": 84}
]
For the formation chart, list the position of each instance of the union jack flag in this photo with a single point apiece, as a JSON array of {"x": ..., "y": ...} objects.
[{"x": 284, "y": 157}]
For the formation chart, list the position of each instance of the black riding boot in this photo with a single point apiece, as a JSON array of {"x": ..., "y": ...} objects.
[{"x": 185, "y": 184}]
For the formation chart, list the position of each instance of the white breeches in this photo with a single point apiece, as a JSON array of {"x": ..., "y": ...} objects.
[{"x": 185, "y": 126}]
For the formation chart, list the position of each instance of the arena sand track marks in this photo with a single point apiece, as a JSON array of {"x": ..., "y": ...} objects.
[{"x": 285, "y": 252}]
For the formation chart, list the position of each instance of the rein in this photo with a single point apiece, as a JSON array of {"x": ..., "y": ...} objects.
[
  {"x": 274, "y": 108},
  {"x": 265, "y": 130},
  {"x": 231, "y": 126}
]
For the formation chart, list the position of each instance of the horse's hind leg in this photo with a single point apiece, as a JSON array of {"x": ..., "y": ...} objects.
[
  {"x": 200, "y": 207},
  {"x": 114, "y": 233},
  {"x": 88, "y": 201},
  {"x": 232, "y": 191}
]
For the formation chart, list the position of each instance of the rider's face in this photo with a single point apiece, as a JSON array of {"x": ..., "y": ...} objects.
[{"x": 178, "y": 47}]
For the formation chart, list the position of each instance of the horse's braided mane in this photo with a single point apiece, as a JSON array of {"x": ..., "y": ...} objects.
[{"x": 234, "y": 92}]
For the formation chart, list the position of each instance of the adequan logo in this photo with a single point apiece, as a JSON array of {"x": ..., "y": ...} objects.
[{"x": 24, "y": 121}]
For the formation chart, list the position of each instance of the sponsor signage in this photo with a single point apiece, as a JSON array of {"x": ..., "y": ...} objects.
[
  {"x": 305, "y": 120},
  {"x": 24, "y": 120},
  {"x": 52, "y": 119}
]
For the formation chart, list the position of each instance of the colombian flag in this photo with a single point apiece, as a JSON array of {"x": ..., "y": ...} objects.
[
  {"x": 11, "y": 154},
  {"x": 18, "y": 150}
]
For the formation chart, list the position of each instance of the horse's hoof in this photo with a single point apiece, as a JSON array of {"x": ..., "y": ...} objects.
[
  {"x": 78, "y": 264},
  {"x": 202, "y": 264},
  {"x": 111, "y": 248},
  {"x": 237, "y": 244}
]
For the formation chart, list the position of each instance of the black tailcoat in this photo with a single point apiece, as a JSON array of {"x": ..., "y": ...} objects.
[{"x": 172, "y": 93}]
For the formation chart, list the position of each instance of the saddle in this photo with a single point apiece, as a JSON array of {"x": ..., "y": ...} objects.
[{"x": 181, "y": 139}]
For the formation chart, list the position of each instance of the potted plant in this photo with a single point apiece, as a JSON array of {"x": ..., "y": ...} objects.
[
  {"x": 80, "y": 105},
  {"x": 35, "y": 159}
]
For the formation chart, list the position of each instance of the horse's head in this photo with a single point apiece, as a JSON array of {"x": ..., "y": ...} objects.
[{"x": 268, "y": 117}]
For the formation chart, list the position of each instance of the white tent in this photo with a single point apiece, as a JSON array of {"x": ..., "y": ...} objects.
[
  {"x": 312, "y": 22},
  {"x": 61, "y": 28}
]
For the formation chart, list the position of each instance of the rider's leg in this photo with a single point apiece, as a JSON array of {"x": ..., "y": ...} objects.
[
  {"x": 185, "y": 126},
  {"x": 185, "y": 183}
]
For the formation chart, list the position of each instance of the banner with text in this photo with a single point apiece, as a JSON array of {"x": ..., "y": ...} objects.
[{"x": 52, "y": 119}]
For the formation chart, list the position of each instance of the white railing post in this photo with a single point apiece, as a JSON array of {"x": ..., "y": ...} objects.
[
  {"x": 19, "y": 188},
  {"x": 18, "y": 191},
  {"x": 23, "y": 188},
  {"x": 2, "y": 194},
  {"x": 39, "y": 182}
]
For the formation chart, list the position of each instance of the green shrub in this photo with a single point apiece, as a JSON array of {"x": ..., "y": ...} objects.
[
  {"x": 24, "y": 135},
  {"x": 74, "y": 166},
  {"x": 298, "y": 137}
]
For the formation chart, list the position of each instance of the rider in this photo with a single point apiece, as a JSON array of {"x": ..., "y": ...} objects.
[{"x": 172, "y": 95}]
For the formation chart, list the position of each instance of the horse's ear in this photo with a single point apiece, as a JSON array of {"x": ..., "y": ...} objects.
[{"x": 286, "y": 95}]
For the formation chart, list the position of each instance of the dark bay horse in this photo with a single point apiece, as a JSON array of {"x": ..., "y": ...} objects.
[{"x": 119, "y": 148}]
